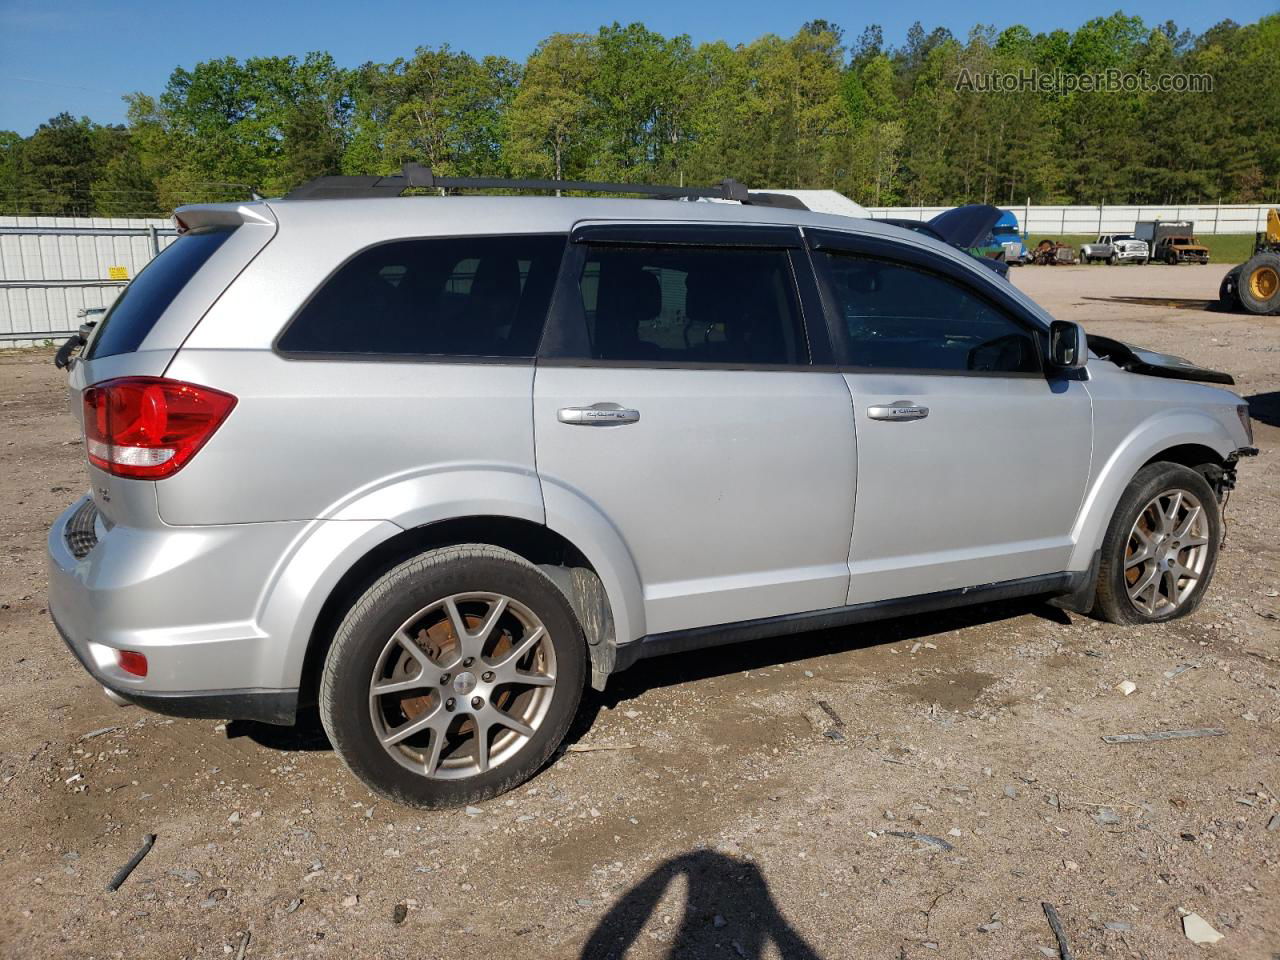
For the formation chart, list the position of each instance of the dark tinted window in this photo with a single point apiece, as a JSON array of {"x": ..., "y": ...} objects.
[
  {"x": 460, "y": 296},
  {"x": 139, "y": 306},
  {"x": 690, "y": 304},
  {"x": 901, "y": 317}
]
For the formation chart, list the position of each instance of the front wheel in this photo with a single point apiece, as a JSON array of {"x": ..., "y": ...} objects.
[
  {"x": 1160, "y": 550},
  {"x": 454, "y": 677}
]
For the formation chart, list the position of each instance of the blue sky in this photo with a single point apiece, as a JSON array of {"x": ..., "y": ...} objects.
[{"x": 83, "y": 56}]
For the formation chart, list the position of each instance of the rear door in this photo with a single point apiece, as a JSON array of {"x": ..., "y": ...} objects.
[
  {"x": 675, "y": 400},
  {"x": 972, "y": 462}
]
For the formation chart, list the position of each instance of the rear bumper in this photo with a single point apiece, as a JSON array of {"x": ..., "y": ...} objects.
[
  {"x": 268, "y": 706},
  {"x": 186, "y": 598}
]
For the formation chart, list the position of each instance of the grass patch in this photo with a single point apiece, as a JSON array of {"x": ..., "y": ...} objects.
[{"x": 1223, "y": 247}]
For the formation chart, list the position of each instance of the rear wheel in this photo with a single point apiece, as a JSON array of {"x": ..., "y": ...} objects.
[
  {"x": 1258, "y": 285},
  {"x": 454, "y": 677},
  {"x": 1161, "y": 548}
]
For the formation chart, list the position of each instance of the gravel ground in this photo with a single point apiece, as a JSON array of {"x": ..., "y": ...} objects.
[{"x": 751, "y": 801}]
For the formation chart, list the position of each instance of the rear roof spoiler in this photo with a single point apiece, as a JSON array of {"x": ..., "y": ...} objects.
[{"x": 223, "y": 215}]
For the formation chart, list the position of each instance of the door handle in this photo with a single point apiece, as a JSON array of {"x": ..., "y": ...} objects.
[
  {"x": 597, "y": 415},
  {"x": 898, "y": 410}
]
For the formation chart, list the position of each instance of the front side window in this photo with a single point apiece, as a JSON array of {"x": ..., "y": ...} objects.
[
  {"x": 701, "y": 305},
  {"x": 900, "y": 317},
  {"x": 457, "y": 296}
]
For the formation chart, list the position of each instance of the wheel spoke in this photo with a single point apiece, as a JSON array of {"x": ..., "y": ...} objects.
[
  {"x": 495, "y": 613},
  {"x": 415, "y": 682},
  {"x": 455, "y": 620},
  {"x": 1188, "y": 522},
  {"x": 512, "y": 656},
  {"x": 482, "y": 745},
  {"x": 1169, "y": 516},
  {"x": 532, "y": 679},
  {"x": 410, "y": 645},
  {"x": 511, "y": 723},
  {"x": 1139, "y": 556},
  {"x": 1193, "y": 542},
  {"x": 434, "y": 751},
  {"x": 409, "y": 728},
  {"x": 1146, "y": 580}
]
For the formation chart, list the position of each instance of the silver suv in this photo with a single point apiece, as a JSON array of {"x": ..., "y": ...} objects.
[{"x": 437, "y": 463}]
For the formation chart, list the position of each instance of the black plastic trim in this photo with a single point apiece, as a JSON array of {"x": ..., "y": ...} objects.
[
  {"x": 650, "y": 234},
  {"x": 698, "y": 638},
  {"x": 279, "y": 707}
]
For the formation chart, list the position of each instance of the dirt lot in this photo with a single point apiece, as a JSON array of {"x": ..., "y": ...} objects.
[{"x": 719, "y": 821}]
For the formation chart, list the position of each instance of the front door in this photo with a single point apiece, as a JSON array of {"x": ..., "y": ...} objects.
[
  {"x": 972, "y": 463},
  {"x": 682, "y": 407}
]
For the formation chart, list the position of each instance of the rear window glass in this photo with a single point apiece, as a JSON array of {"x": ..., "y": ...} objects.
[
  {"x": 456, "y": 296},
  {"x": 139, "y": 306}
]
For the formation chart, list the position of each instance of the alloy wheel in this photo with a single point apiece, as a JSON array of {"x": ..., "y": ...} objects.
[
  {"x": 462, "y": 685},
  {"x": 1166, "y": 553}
]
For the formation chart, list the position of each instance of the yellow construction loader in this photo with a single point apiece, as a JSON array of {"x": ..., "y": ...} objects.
[{"x": 1255, "y": 285}]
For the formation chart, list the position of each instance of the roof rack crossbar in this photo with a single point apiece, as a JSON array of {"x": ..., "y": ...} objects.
[{"x": 416, "y": 175}]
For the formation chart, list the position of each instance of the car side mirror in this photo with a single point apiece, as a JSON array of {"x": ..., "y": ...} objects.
[{"x": 1068, "y": 345}]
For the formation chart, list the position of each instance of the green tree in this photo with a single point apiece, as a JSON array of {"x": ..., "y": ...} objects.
[{"x": 549, "y": 121}]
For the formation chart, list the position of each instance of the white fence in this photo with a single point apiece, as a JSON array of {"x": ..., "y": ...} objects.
[
  {"x": 1054, "y": 221},
  {"x": 51, "y": 268}
]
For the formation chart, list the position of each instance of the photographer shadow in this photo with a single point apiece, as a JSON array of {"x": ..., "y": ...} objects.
[{"x": 717, "y": 886}]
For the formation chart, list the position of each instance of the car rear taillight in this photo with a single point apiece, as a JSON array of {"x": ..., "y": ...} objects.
[{"x": 148, "y": 427}]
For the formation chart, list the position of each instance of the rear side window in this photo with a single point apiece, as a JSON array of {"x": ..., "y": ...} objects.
[
  {"x": 692, "y": 305},
  {"x": 904, "y": 318},
  {"x": 138, "y": 308},
  {"x": 460, "y": 296}
]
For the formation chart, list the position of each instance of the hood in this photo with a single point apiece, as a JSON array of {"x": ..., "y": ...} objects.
[
  {"x": 967, "y": 226},
  {"x": 1137, "y": 360}
]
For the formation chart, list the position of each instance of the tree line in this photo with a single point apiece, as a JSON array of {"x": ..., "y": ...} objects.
[{"x": 916, "y": 123}]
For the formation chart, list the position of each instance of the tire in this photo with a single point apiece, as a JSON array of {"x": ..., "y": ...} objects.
[
  {"x": 1258, "y": 284},
  {"x": 1135, "y": 519},
  {"x": 1111, "y": 260},
  {"x": 1171, "y": 258},
  {"x": 1228, "y": 298},
  {"x": 419, "y": 604}
]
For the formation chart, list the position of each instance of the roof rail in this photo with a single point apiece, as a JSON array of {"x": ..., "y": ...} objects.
[{"x": 416, "y": 175}]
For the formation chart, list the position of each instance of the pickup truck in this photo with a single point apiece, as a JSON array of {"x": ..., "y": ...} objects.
[
  {"x": 1115, "y": 248},
  {"x": 1172, "y": 241}
]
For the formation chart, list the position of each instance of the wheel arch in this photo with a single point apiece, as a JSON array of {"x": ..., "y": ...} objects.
[
  {"x": 569, "y": 567},
  {"x": 1190, "y": 437}
]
